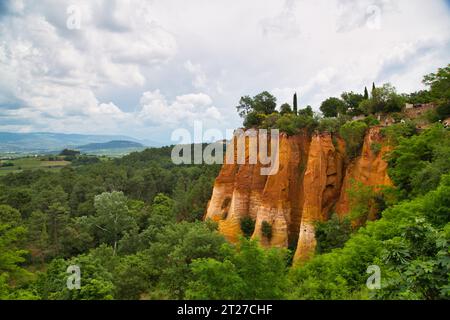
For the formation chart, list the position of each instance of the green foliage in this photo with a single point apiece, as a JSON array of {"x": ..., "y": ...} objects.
[
  {"x": 384, "y": 99},
  {"x": 394, "y": 132},
  {"x": 253, "y": 119},
  {"x": 176, "y": 247},
  {"x": 248, "y": 272},
  {"x": 332, "y": 106},
  {"x": 375, "y": 147},
  {"x": 418, "y": 97},
  {"x": 332, "y": 234},
  {"x": 96, "y": 281},
  {"x": 112, "y": 218},
  {"x": 247, "y": 226},
  {"x": 285, "y": 108},
  {"x": 266, "y": 229},
  {"x": 352, "y": 101},
  {"x": 69, "y": 153},
  {"x": 371, "y": 121},
  {"x": 270, "y": 121},
  {"x": 330, "y": 125},
  {"x": 295, "y": 104},
  {"x": 353, "y": 134},
  {"x": 287, "y": 124},
  {"x": 418, "y": 162},
  {"x": 412, "y": 254},
  {"x": 439, "y": 83},
  {"x": 263, "y": 103}
]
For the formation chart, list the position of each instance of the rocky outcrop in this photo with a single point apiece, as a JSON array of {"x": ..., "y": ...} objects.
[
  {"x": 369, "y": 168},
  {"x": 311, "y": 183},
  {"x": 322, "y": 185}
]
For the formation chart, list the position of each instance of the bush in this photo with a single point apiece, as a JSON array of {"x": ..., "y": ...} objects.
[
  {"x": 270, "y": 121},
  {"x": 287, "y": 124},
  {"x": 253, "y": 119},
  {"x": 371, "y": 121},
  {"x": 353, "y": 134},
  {"x": 375, "y": 147},
  {"x": 330, "y": 125},
  {"x": 396, "y": 131},
  {"x": 332, "y": 234},
  {"x": 247, "y": 226},
  {"x": 266, "y": 229},
  {"x": 6, "y": 164}
]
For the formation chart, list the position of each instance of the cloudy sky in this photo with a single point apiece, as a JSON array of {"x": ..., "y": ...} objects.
[{"x": 145, "y": 68}]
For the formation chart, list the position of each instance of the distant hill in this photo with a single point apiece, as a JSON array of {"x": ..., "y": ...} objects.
[
  {"x": 44, "y": 142},
  {"x": 111, "y": 145}
]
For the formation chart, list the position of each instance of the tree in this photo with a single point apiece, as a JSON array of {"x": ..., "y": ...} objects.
[
  {"x": 69, "y": 153},
  {"x": 373, "y": 88},
  {"x": 439, "y": 83},
  {"x": 247, "y": 226},
  {"x": 366, "y": 93},
  {"x": 384, "y": 99},
  {"x": 176, "y": 247},
  {"x": 247, "y": 272},
  {"x": 10, "y": 216},
  {"x": 285, "y": 108},
  {"x": 332, "y": 234},
  {"x": 96, "y": 281},
  {"x": 263, "y": 103},
  {"x": 331, "y": 107},
  {"x": 295, "y": 103},
  {"x": 307, "y": 112},
  {"x": 112, "y": 217},
  {"x": 352, "y": 101}
]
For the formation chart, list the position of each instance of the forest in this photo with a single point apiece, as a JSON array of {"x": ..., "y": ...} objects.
[{"x": 134, "y": 225}]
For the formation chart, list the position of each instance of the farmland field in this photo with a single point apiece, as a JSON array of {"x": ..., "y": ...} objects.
[{"x": 31, "y": 163}]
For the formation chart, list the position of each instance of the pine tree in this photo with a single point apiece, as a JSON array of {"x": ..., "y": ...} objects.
[
  {"x": 295, "y": 103},
  {"x": 366, "y": 93}
]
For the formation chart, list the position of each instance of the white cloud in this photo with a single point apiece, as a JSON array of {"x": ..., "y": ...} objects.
[
  {"x": 184, "y": 110},
  {"x": 136, "y": 67}
]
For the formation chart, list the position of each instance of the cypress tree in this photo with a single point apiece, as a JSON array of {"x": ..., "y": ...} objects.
[
  {"x": 366, "y": 93},
  {"x": 373, "y": 87},
  {"x": 295, "y": 103}
]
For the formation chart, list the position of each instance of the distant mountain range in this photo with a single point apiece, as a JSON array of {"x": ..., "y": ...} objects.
[{"x": 44, "y": 142}]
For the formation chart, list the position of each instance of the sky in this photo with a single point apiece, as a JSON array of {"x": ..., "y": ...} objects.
[{"x": 146, "y": 68}]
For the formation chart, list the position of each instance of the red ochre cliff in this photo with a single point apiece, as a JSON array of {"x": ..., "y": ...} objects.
[{"x": 311, "y": 182}]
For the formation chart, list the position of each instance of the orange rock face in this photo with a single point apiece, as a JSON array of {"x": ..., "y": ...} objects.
[
  {"x": 322, "y": 185},
  {"x": 369, "y": 169},
  {"x": 311, "y": 182}
]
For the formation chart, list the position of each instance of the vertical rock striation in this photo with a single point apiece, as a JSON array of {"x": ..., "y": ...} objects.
[{"x": 311, "y": 182}]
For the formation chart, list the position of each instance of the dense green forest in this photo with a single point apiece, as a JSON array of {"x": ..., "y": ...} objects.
[{"x": 134, "y": 225}]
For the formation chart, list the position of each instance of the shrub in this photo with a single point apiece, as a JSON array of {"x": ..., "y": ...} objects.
[
  {"x": 266, "y": 229},
  {"x": 330, "y": 125},
  {"x": 247, "y": 226},
  {"x": 375, "y": 147},
  {"x": 353, "y": 134},
  {"x": 253, "y": 119},
  {"x": 371, "y": 121},
  {"x": 287, "y": 124},
  {"x": 6, "y": 164},
  {"x": 396, "y": 131},
  {"x": 332, "y": 234},
  {"x": 270, "y": 121}
]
